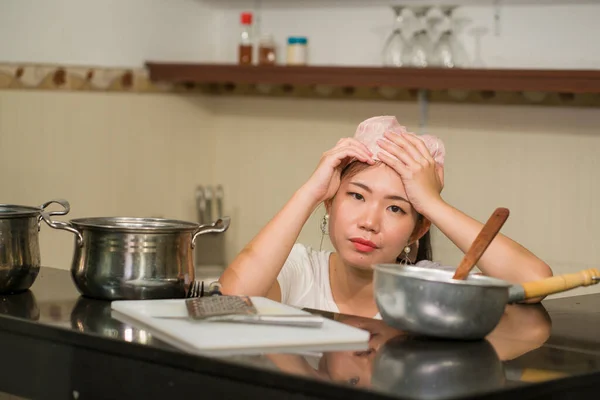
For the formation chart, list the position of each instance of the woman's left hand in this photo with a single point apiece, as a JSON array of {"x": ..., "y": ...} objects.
[{"x": 423, "y": 179}]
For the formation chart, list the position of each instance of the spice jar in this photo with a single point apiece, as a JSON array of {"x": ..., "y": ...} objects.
[
  {"x": 266, "y": 51},
  {"x": 297, "y": 50}
]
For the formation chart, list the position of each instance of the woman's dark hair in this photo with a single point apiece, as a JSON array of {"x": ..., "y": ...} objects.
[{"x": 424, "y": 250}]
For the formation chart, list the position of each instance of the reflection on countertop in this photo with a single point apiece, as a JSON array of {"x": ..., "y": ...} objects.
[{"x": 419, "y": 367}]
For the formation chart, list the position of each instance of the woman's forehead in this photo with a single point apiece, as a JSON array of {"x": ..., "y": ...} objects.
[{"x": 378, "y": 178}]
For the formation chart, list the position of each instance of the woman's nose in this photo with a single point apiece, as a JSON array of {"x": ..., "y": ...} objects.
[{"x": 369, "y": 220}]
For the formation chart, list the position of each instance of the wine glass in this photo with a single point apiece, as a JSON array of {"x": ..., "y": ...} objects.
[
  {"x": 449, "y": 52},
  {"x": 418, "y": 53},
  {"x": 395, "y": 45}
]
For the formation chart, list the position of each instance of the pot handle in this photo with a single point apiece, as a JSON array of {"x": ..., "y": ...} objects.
[
  {"x": 219, "y": 226},
  {"x": 555, "y": 284},
  {"x": 62, "y": 225},
  {"x": 62, "y": 202}
]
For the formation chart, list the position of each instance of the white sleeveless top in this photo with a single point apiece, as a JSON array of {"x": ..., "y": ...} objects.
[{"x": 304, "y": 280}]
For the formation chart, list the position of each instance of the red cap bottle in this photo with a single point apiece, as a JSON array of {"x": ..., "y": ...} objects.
[
  {"x": 246, "y": 18},
  {"x": 245, "y": 48}
]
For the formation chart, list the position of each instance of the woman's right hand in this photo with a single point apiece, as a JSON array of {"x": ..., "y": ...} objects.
[
  {"x": 325, "y": 181},
  {"x": 255, "y": 270}
]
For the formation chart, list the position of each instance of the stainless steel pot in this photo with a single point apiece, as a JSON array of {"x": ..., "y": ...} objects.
[
  {"x": 124, "y": 258},
  {"x": 19, "y": 244},
  {"x": 430, "y": 302}
]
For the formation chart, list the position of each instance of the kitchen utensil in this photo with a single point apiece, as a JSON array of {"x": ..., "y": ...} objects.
[
  {"x": 19, "y": 244},
  {"x": 167, "y": 320},
  {"x": 134, "y": 258},
  {"x": 241, "y": 309},
  {"x": 208, "y": 195},
  {"x": 481, "y": 243},
  {"x": 423, "y": 368},
  {"x": 300, "y": 321},
  {"x": 428, "y": 301},
  {"x": 210, "y": 249},
  {"x": 201, "y": 204},
  {"x": 213, "y": 306},
  {"x": 219, "y": 200},
  {"x": 214, "y": 289},
  {"x": 196, "y": 289}
]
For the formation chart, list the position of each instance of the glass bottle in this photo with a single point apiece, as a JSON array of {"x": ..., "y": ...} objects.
[
  {"x": 266, "y": 51},
  {"x": 245, "y": 45}
]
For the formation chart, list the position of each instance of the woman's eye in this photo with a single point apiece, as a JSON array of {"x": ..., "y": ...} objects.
[
  {"x": 396, "y": 209},
  {"x": 357, "y": 196}
]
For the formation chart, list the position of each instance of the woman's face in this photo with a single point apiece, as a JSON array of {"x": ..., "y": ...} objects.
[{"x": 370, "y": 218}]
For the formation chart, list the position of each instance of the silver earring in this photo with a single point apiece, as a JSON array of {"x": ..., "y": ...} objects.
[
  {"x": 406, "y": 251},
  {"x": 324, "y": 223},
  {"x": 324, "y": 227}
]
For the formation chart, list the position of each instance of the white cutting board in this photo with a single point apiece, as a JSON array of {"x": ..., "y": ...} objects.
[{"x": 223, "y": 338}]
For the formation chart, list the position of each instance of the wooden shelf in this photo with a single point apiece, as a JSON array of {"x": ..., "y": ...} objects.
[{"x": 531, "y": 86}]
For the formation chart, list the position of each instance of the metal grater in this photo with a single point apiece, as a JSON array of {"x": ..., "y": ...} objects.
[{"x": 215, "y": 306}]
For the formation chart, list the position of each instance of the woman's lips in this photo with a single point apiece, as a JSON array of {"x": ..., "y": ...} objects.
[{"x": 363, "y": 245}]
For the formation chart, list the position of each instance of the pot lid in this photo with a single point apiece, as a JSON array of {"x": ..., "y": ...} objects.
[
  {"x": 16, "y": 211},
  {"x": 134, "y": 224}
]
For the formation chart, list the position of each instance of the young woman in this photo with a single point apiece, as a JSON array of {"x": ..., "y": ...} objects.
[{"x": 381, "y": 190}]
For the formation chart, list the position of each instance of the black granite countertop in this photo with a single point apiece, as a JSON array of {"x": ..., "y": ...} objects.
[{"x": 57, "y": 344}]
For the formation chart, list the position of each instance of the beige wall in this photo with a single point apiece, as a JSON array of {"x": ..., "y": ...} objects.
[
  {"x": 541, "y": 163},
  {"x": 107, "y": 154},
  {"x": 144, "y": 154}
]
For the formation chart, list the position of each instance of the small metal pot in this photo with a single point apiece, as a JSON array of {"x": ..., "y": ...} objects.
[
  {"x": 124, "y": 258},
  {"x": 430, "y": 302},
  {"x": 19, "y": 244}
]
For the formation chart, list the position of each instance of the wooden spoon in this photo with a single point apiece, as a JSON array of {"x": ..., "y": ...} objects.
[{"x": 481, "y": 243}]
